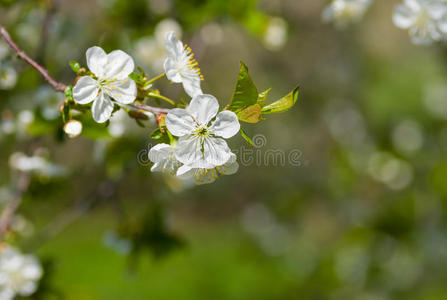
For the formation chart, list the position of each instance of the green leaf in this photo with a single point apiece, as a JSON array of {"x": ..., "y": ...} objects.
[
  {"x": 251, "y": 114},
  {"x": 75, "y": 66},
  {"x": 282, "y": 104},
  {"x": 134, "y": 76},
  {"x": 156, "y": 134},
  {"x": 69, "y": 92},
  {"x": 262, "y": 97},
  {"x": 246, "y": 137},
  {"x": 66, "y": 113},
  {"x": 245, "y": 93}
]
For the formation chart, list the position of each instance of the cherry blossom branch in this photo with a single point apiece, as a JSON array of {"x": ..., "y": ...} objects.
[
  {"x": 10, "y": 209},
  {"x": 57, "y": 86}
]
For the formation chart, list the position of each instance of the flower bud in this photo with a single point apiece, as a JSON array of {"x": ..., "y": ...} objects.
[{"x": 73, "y": 128}]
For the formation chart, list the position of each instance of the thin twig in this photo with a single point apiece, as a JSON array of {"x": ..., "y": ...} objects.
[
  {"x": 155, "y": 110},
  {"x": 57, "y": 86},
  {"x": 11, "y": 207}
]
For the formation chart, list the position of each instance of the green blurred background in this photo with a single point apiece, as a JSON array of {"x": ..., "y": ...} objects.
[{"x": 360, "y": 215}]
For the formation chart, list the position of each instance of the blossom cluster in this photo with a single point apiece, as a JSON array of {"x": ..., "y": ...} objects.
[
  {"x": 19, "y": 274},
  {"x": 197, "y": 146},
  {"x": 426, "y": 20}
]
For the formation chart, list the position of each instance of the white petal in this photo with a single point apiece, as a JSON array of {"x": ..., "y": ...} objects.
[
  {"x": 96, "y": 60},
  {"x": 215, "y": 151},
  {"x": 119, "y": 65},
  {"x": 226, "y": 124},
  {"x": 414, "y": 5},
  {"x": 85, "y": 90},
  {"x": 442, "y": 24},
  {"x": 102, "y": 108},
  {"x": 403, "y": 17},
  {"x": 171, "y": 70},
  {"x": 189, "y": 151},
  {"x": 185, "y": 172},
  {"x": 174, "y": 47},
  {"x": 436, "y": 9},
  {"x": 157, "y": 167},
  {"x": 179, "y": 122},
  {"x": 230, "y": 167},
  {"x": 203, "y": 108},
  {"x": 123, "y": 91},
  {"x": 160, "y": 152},
  {"x": 192, "y": 86}
]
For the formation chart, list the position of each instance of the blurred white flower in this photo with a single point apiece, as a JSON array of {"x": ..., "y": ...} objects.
[
  {"x": 114, "y": 242},
  {"x": 19, "y": 274},
  {"x": 48, "y": 101},
  {"x": 351, "y": 265},
  {"x": 151, "y": 51},
  {"x": 435, "y": 100},
  {"x": 8, "y": 77},
  {"x": 112, "y": 71},
  {"x": 344, "y": 12},
  {"x": 163, "y": 157},
  {"x": 73, "y": 128},
  {"x": 425, "y": 19},
  {"x": 395, "y": 173},
  {"x": 203, "y": 176},
  {"x": 275, "y": 36},
  {"x": 201, "y": 143},
  {"x": 407, "y": 137},
  {"x": 148, "y": 52},
  {"x": 181, "y": 67},
  {"x": 212, "y": 34},
  {"x": 121, "y": 124},
  {"x": 35, "y": 164},
  {"x": 4, "y": 50},
  {"x": 164, "y": 27},
  {"x": 160, "y": 7}
]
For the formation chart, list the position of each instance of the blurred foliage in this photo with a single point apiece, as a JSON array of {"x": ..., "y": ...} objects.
[{"x": 360, "y": 213}]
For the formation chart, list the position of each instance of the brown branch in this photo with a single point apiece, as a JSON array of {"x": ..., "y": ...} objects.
[
  {"x": 57, "y": 86},
  {"x": 11, "y": 207}
]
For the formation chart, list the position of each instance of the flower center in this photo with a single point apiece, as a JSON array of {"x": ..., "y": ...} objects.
[{"x": 202, "y": 131}]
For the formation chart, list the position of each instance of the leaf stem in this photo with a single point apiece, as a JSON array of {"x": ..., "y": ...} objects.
[
  {"x": 155, "y": 78},
  {"x": 170, "y": 101}
]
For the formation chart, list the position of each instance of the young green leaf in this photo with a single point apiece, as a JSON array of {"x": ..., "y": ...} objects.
[
  {"x": 282, "y": 104},
  {"x": 245, "y": 93},
  {"x": 251, "y": 114},
  {"x": 156, "y": 134},
  {"x": 75, "y": 66},
  {"x": 262, "y": 97},
  {"x": 246, "y": 137}
]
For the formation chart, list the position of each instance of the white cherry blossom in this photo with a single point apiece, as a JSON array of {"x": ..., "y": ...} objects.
[
  {"x": 112, "y": 82},
  {"x": 201, "y": 141},
  {"x": 163, "y": 157},
  {"x": 181, "y": 67},
  {"x": 425, "y": 19},
  {"x": 344, "y": 12},
  {"x": 19, "y": 273},
  {"x": 204, "y": 175}
]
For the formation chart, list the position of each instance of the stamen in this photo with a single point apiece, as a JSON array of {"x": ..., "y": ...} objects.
[{"x": 192, "y": 63}]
